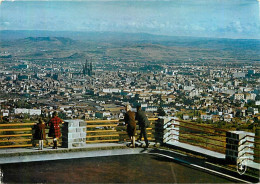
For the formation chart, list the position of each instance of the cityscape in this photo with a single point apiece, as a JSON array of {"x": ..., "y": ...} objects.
[
  {"x": 129, "y": 91},
  {"x": 98, "y": 87}
]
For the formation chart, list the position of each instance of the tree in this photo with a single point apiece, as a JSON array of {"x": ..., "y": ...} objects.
[{"x": 160, "y": 111}]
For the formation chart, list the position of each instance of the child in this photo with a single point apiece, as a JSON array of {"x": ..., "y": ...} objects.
[{"x": 40, "y": 133}]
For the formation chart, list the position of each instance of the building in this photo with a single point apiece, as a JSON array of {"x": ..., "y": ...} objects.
[{"x": 239, "y": 96}]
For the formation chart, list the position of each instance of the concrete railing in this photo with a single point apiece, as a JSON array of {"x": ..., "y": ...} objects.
[
  {"x": 99, "y": 131},
  {"x": 236, "y": 145},
  {"x": 14, "y": 135}
]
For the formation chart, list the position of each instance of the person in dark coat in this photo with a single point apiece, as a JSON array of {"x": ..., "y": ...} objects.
[
  {"x": 131, "y": 124},
  {"x": 54, "y": 131},
  {"x": 143, "y": 123},
  {"x": 40, "y": 133}
]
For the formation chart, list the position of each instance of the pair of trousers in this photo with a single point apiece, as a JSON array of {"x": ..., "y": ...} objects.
[
  {"x": 40, "y": 144},
  {"x": 143, "y": 133},
  {"x": 55, "y": 143}
]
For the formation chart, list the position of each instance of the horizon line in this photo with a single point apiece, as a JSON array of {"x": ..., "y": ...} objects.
[{"x": 151, "y": 34}]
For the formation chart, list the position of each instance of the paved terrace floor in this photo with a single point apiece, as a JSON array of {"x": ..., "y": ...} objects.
[
  {"x": 31, "y": 154},
  {"x": 20, "y": 155}
]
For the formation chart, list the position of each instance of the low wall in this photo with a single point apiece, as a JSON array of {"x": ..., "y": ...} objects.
[{"x": 74, "y": 134}]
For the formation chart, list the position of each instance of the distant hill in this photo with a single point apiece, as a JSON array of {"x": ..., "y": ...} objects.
[
  {"x": 41, "y": 43},
  {"x": 57, "y": 40},
  {"x": 76, "y": 56},
  {"x": 140, "y": 47},
  {"x": 67, "y": 37}
]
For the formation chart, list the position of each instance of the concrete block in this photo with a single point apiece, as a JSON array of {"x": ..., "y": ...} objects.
[
  {"x": 83, "y": 135},
  {"x": 75, "y": 144},
  {"x": 75, "y": 135},
  {"x": 70, "y": 145},
  {"x": 72, "y": 130},
  {"x": 73, "y": 123},
  {"x": 79, "y": 130},
  {"x": 70, "y": 135},
  {"x": 76, "y": 124},
  {"x": 82, "y": 124},
  {"x": 71, "y": 140},
  {"x": 75, "y": 140},
  {"x": 70, "y": 124}
]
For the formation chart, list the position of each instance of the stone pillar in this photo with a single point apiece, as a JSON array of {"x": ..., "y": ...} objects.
[
  {"x": 237, "y": 147},
  {"x": 170, "y": 130},
  {"x": 74, "y": 133}
]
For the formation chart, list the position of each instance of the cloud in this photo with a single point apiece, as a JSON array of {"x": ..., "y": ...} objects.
[{"x": 6, "y": 0}]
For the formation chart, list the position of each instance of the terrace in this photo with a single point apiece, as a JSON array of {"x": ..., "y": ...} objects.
[{"x": 184, "y": 144}]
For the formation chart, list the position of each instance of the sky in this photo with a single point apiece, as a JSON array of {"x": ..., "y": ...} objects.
[{"x": 198, "y": 18}]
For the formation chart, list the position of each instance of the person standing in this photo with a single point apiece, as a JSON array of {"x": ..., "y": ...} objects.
[
  {"x": 40, "y": 133},
  {"x": 54, "y": 131},
  {"x": 131, "y": 124},
  {"x": 143, "y": 124}
]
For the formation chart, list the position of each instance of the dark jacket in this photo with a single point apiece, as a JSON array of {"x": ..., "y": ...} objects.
[
  {"x": 142, "y": 119},
  {"x": 40, "y": 132}
]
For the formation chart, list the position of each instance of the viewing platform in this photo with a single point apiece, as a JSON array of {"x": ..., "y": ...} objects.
[{"x": 208, "y": 150}]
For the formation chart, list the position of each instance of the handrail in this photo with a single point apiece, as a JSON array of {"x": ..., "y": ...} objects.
[
  {"x": 111, "y": 135},
  {"x": 198, "y": 130},
  {"x": 15, "y": 140},
  {"x": 206, "y": 137},
  {"x": 93, "y": 122},
  {"x": 252, "y": 136},
  {"x": 218, "y": 129},
  {"x": 153, "y": 119},
  {"x": 101, "y": 125},
  {"x": 15, "y": 135},
  {"x": 16, "y": 124},
  {"x": 248, "y": 153},
  {"x": 200, "y": 146},
  {"x": 102, "y": 121},
  {"x": 103, "y": 131},
  {"x": 16, "y": 146},
  {"x": 15, "y": 129},
  {"x": 249, "y": 148},
  {"x": 114, "y": 120},
  {"x": 200, "y": 141}
]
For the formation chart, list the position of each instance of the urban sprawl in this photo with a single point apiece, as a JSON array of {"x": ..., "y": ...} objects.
[{"x": 87, "y": 90}]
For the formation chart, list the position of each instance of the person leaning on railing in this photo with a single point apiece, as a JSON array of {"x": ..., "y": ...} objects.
[
  {"x": 39, "y": 133},
  {"x": 143, "y": 123},
  {"x": 131, "y": 124},
  {"x": 54, "y": 131}
]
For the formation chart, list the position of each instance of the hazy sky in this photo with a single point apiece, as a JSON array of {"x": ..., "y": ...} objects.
[{"x": 211, "y": 18}]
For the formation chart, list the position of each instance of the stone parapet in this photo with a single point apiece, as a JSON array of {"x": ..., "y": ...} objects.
[
  {"x": 239, "y": 146},
  {"x": 74, "y": 134},
  {"x": 170, "y": 129}
]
